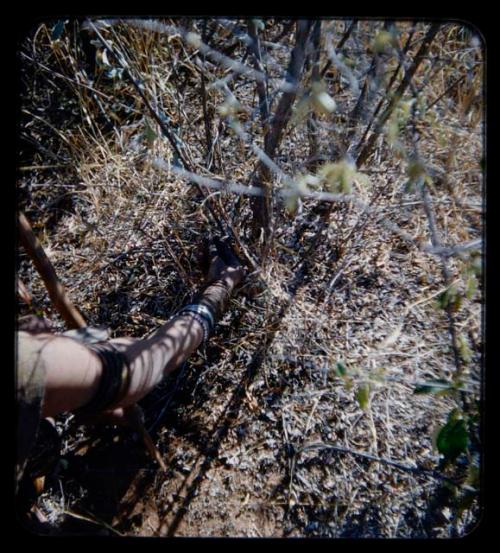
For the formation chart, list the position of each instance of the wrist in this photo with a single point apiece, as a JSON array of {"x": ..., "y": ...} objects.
[{"x": 202, "y": 314}]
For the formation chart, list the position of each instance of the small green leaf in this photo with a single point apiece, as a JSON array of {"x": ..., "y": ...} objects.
[
  {"x": 301, "y": 111},
  {"x": 363, "y": 395},
  {"x": 409, "y": 186},
  {"x": 392, "y": 130},
  {"x": 476, "y": 265},
  {"x": 456, "y": 304},
  {"x": 339, "y": 176},
  {"x": 340, "y": 369},
  {"x": 230, "y": 107},
  {"x": 321, "y": 101},
  {"x": 442, "y": 301},
  {"x": 57, "y": 30},
  {"x": 464, "y": 349},
  {"x": 381, "y": 371},
  {"x": 415, "y": 169},
  {"x": 194, "y": 39},
  {"x": 473, "y": 474},
  {"x": 471, "y": 288},
  {"x": 348, "y": 383},
  {"x": 381, "y": 41},
  {"x": 292, "y": 204},
  {"x": 450, "y": 298},
  {"x": 149, "y": 134},
  {"x": 297, "y": 188},
  {"x": 452, "y": 439}
]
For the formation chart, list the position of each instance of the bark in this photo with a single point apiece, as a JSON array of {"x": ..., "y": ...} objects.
[
  {"x": 261, "y": 205},
  {"x": 55, "y": 289}
]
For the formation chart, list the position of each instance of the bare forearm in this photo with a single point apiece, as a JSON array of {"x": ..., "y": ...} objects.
[
  {"x": 73, "y": 371},
  {"x": 152, "y": 359}
]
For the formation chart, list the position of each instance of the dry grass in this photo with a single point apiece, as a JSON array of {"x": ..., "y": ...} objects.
[{"x": 125, "y": 238}]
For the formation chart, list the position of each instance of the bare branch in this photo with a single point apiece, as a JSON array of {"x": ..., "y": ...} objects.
[
  {"x": 421, "y": 54},
  {"x": 262, "y": 206}
]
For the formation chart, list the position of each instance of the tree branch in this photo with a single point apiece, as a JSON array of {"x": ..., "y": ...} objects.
[
  {"x": 261, "y": 206},
  {"x": 421, "y": 54}
]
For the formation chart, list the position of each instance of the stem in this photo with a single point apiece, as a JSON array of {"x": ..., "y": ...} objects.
[
  {"x": 261, "y": 206},
  {"x": 389, "y": 86},
  {"x": 55, "y": 289},
  {"x": 341, "y": 43},
  {"x": 421, "y": 54}
]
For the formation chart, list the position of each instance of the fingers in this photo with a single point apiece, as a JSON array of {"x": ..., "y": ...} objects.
[
  {"x": 128, "y": 417},
  {"x": 226, "y": 251},
  {"x": 224, "y": 261}
]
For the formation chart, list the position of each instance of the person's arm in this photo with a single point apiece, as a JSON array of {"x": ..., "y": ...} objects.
[
  {"x": 73, "y": 371},
  {"x": 150, "y": 360}
]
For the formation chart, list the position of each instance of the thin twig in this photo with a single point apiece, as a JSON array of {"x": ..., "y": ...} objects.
[
  {"x": 70, "y": 314},
  {"x": 255, "y": 48},
  {"x": 449, "y": 89},
  {"x": 390, "y": 462},
  {"x": 427, "y": 204},
  {"x": 419, "y": 57},
  {"x": 388, "y": 88},
  {"x": 261, "y": 206},
  {"x": 339, "y": 46}
]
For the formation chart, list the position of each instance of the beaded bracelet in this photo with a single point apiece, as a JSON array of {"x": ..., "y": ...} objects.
[
  {"x": 202, "y": 310},
  {"x": 200, "y": 319},
  {"x": 202, "y": 314}
]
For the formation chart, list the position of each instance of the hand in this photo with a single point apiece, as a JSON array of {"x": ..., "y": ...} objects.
[
  {"x": 224, "y": 265},
  {"x": 128, "y": 417},
  {"x": 131, "y": 417}
]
